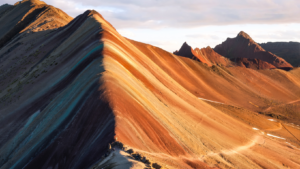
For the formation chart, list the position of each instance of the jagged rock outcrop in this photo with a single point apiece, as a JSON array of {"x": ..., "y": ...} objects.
[
  {"x": 205, "y": 55},
  {"x": 243, "y": 46},
  {"x": 186, "y": 51},
  {"x": 212, "y": 57},
  {"x": 289, "y": 51}
]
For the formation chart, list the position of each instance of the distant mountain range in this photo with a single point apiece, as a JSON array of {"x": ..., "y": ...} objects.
[
  {"x": 289, "y": 51},
  {"x": 244, "y": 51}
]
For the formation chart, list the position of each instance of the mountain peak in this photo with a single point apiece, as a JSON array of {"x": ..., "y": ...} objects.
[
  {"x": 185, "y": 45},
  {"x": 185, "y": 50},
  {"x": 244, "y": 34},
  {"x": 36, "y": 2},
  {"x": 243, "y": 45}
]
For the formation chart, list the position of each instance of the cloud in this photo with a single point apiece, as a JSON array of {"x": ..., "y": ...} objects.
[
  {"x": 278, "y": 35},
  {"x": 203, "y": 36},
  {"x": 201, "y": 23},
  {"x": 157, "y": 14}
]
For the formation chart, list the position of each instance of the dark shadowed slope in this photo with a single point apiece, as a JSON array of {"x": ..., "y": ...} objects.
[
  {"x": 67, "y": 93},
  {"x": 243, "y": 46},
  {"x": 4, "y": 8},
  {"x": 53, "y": 111},
  {"x": 289, "y": 51}
]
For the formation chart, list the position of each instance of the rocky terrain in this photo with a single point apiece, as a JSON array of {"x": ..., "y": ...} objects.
[
  {"x": 243, "y": 46},
  {"x": 252, "y": 63},
  {"x": 74, "y": 93},
  {"x": 289, "y": 51},
  {"x": 205, "y": 55}
]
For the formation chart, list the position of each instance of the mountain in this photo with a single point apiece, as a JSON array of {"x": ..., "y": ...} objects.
[
  {"x": 289, "y": 51},
  {"x": 243, "y": 46},
  {"x": 83, "y": 96},
  {"x": 205, "y": 55}
]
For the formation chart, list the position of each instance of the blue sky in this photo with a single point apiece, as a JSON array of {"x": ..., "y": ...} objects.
[{"x": 200, "y": 23}]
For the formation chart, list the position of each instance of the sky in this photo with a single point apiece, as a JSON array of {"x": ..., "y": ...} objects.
[{"x": 169, "y": 23}]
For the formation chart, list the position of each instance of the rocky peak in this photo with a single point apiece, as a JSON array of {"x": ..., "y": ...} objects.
[
  {"x": 185, "y": 45},
  {"x": 244, "y": 46},
  {"x": 244, "y": 35},
  {"x": 32, "y": 2},
  {"x": 185, "y": 50}
]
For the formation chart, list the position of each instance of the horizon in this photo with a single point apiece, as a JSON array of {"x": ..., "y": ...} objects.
[{"x": 202, "y": 24}]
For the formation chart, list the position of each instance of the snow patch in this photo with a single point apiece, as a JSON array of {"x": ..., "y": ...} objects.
[
  {"x": 292, "y": 145},
  {"x": 210, "y": 100},
  {"x": 271, "y": 135}
]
